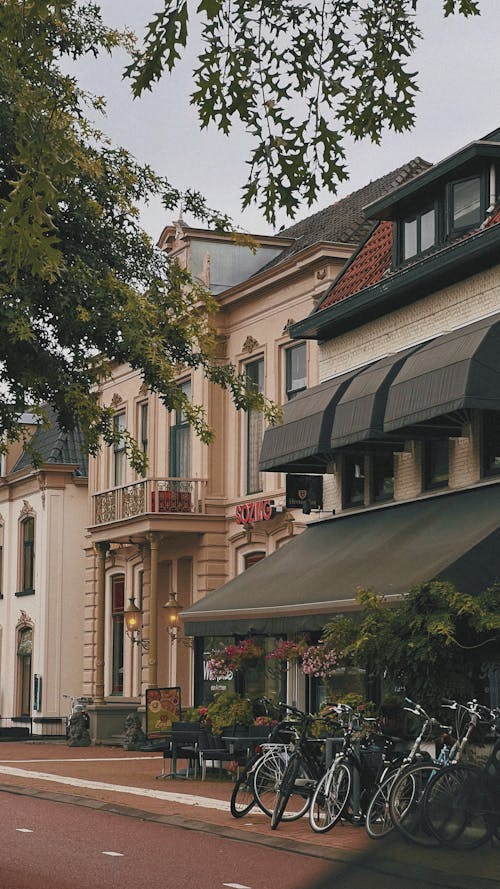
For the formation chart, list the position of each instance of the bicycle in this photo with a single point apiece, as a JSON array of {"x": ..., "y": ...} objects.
[
  {"x": 261, "y": 776},
  {"x": 462, "y": 802},
  {"x": 378, "y": 819},
  {"x": 406, "y": 797},
  {"x": 302, "y": 773}
]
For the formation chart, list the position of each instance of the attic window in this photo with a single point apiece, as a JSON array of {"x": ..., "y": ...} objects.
[
  {"x": 466, "y": 203},
  {"x": 418, "y": 233}
]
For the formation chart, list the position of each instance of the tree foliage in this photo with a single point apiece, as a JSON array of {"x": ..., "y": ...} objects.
[
  {"x": 432, "y": 643},
  {"x": 81, "y": 285},
  {"x": 300, "y": 78}
]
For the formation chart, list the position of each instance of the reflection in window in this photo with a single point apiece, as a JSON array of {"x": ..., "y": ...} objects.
[
  {"x": 491, "y": 443},
  {"x": 118, "y": 621},
  {"x": 254, "y": 373},
  {"x": 28, "y": 554},
  {"x": 296, "y": 370},
  {"x": 383, "y": 477},
  {"x": 466, "y": 203},
  {"x": 353, "y": 481},
  {"x": 119, "y": 450},
  {"x": 436, "y": 463},
  {"x": 180, "y": 439}
]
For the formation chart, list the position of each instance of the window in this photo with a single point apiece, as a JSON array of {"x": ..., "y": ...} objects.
[
  {"x": 27, "y": 555},
  {"x": 436, "y": 463},
  {"x": 490, "y": 456},
  {"x": 119, "y": 456},
  {"x": 143, "y": 427},
  {"x": 418, "y": 233},
  {"x": 118, "y": 621},
  {"x": 252, "y": 559},
  {"x": 382, "y": 477},
  {"x": 24, "y": 652},
  {"x": 466, "y": 203},
  {"x": 255, "y": 427},
  {"x": 180, "y": 457},
  {"x": 353, "y": 481},
  {"x": 295, "y": 370}
]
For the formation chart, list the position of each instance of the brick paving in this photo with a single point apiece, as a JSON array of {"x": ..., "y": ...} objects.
[{"x": 127, "y": 782}]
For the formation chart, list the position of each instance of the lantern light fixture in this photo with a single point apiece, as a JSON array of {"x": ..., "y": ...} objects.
[{"x": 133, "y": 625}]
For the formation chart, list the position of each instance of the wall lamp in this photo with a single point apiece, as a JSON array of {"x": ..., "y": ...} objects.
[
  {"x": 133, "y": 625},
  {"x": 171, "y": 610}
]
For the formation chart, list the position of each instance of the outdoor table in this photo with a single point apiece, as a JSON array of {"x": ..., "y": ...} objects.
[
  {"x": 171, "y": 746},
  {"x": 246, "y": 741}
]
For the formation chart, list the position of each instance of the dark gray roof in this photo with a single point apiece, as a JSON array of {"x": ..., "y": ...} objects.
[
  {"x": 344, "y": 221},
  {"x": 54, "y": 445}
]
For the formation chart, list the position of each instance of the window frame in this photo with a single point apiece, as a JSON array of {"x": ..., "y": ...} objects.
[
  {"x": 117, "y": 638},
  {"x": 180, "y": 425},
  {"x": 417, "y": 216},
  {"x": 456, "y": 229},
  {"x": 290, "y": 391},
  {"x": 27, "y": 552},
  {"x": 254, "y": 417},
  {"x": 119, "y": 450}
]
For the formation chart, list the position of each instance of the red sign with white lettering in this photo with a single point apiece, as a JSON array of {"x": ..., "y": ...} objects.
[{"x": 254, "y": 511}]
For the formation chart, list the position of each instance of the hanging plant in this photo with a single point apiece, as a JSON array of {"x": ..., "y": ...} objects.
[
  {"x": 288, "y": 650},
  {"x": 231, "y": 659},
  {"x": 319, "y": 661}
]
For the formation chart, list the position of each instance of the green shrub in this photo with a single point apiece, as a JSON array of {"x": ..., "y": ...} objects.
[{"x": 227, "y": 709}]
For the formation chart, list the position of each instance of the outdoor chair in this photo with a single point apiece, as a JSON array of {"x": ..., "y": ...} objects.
[{"x": 212, "y": 752}]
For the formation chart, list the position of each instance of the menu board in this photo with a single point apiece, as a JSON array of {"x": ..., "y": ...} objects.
[{"x": 163, "y": 706}]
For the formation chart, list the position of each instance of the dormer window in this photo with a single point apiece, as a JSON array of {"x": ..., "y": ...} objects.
[
  {"x": 465, "y": 204},
  {"x": 419, "y": 232}
]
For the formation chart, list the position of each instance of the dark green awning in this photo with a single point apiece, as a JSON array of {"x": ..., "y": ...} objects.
[
  {"x": 451, "y": 373},
  {"x": 389, "y": 549},
  {"x": 302, "y": 442}
]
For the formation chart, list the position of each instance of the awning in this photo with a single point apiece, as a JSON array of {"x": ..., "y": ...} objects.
[
  {"x": 302, "y": 442},
  {"x": 359, "y": 414},
  {"x": 453, "y": 536},
  {"x": 451, "y": 373}
]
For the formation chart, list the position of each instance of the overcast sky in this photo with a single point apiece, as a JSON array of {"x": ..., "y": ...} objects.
[{"x": 459, "y": 101}]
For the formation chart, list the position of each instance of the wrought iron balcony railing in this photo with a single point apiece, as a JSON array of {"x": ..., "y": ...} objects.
[{"x": 159, "y": 495}]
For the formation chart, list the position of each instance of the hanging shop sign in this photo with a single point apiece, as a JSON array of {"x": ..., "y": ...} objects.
[
  {"x": 304, "y": 490},
  {"x": 255, "y": 511}
]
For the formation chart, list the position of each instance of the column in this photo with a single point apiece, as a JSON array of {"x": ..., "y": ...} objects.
[
  {"x": 101, "y": 549},
  {"x": 154, "y": 541}
]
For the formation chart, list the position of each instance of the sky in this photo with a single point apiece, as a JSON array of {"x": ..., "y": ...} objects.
[{"x": 459, "y": 101}]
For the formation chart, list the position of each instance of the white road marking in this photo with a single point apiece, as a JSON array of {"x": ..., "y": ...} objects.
[
  {"x": 113, "y": 854},
  {"x": 23, "y": 830},
  {"x": 86, "y": 759},
  {"x": 236, "y": 886},
  {"x": 202, "y": 802}
]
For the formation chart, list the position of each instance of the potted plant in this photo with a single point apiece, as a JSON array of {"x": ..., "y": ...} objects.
[{"x": 228, "y": 709}]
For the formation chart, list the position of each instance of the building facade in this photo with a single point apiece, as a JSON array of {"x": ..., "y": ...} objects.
[
  {"x": 204, "y": 514},
  {"x": 405, "y": 421},
  {"x": 43, "y": 516}
]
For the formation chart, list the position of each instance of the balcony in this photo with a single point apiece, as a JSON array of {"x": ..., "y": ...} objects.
[{"x": 159, "y": 496}]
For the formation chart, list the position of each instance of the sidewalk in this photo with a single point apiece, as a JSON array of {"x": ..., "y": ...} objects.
[{"x": 127, "y": 782}]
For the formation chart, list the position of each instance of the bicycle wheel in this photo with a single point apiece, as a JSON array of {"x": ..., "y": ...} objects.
[
  {"x": 295, "y": 791},
  {"x": 267, "y": 779},
  {"x": 378, "y": 818},
  {"x": 456, "y": 807},
  {"x": 242, "y": 797},
  {"x": 406, "y": 808},
  {"x": 330, "y": 798}
]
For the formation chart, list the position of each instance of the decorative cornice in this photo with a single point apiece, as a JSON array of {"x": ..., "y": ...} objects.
[
  {"x": 26, "y": 510},
  {"x": 250, "y": 344},
  {"x": 24, "y": 620}
]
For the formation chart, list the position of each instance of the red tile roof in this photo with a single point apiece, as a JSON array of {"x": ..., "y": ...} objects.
[{"x": 373, "y": 261}]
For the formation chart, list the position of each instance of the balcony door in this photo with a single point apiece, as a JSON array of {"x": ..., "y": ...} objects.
[{"x": 180, "y": 441}]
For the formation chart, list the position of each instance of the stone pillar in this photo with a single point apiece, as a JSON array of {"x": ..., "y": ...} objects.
[
  {"x": 154, "y": 542},
  {"x": 101, "y": 549}
]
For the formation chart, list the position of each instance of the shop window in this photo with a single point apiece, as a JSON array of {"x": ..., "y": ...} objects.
[
  {"x": 24, "y": 653},
  {"x": 254, "y": 372},
  {"x": 490, "y": 457},
  {"x": 295, "y": 370},
  {"x": 382, "y": 477},
  {"x": 180, "y": 439},
  {"x": 465, "y": 204},
  {"x": 436, "y": 463},
  {"x": 27, "y": 555},
  {"x": 253, "y": 558},
  {"x": 119, "y": 454},
  {"x": 353, "y": 481},
  {"x": 118, "y": 622}
]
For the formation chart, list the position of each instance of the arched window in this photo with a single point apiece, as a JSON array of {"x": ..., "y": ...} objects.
[
  {"x": 24, "y": 651},
  {"x": 28, "y": 555},
  {"x": 253, "y": 558},
  {"x": 118, "y": 621}
]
